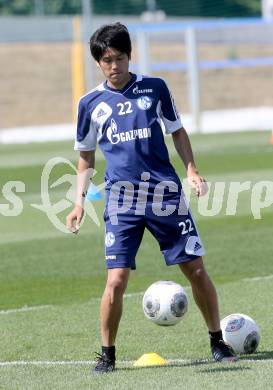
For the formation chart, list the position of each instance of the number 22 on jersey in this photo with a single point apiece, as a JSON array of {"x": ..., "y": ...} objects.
[{"x": 125, "y": 108}]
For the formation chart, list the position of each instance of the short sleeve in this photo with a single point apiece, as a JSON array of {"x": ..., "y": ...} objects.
[
  {"x": 86, "y": 137},
  {"x": 169, "y": 114}
]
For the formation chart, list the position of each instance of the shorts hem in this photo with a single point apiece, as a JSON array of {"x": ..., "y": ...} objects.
[
  {"x": 183, "y": 260},
  {"x": 121, "y": 266}
]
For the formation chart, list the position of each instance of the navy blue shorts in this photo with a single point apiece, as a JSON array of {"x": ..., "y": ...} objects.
[{"x": 176, "y": 234}]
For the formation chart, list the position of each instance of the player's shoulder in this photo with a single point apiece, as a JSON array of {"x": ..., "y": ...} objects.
[
  {"x": 148, "y": 84},
  {"x": 91, "y": 96},
  {"x": 157, "y": 81}
]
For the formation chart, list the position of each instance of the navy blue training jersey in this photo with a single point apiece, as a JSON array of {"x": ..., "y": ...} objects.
[{"x": 128, "y": 125}]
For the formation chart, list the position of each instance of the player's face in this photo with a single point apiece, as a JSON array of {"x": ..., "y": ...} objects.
[{"x": 115, "y": 67}]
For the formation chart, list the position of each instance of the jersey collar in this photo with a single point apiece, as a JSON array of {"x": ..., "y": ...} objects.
[{"x": 124, "y": 89}]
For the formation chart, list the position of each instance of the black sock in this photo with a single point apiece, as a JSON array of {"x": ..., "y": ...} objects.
[
  {"x": 215, "y": 337},
  {"x": 109, "y": 352}
]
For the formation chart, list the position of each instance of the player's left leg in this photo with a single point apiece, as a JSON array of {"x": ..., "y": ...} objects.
[
  {"x": 180, "y": 244},
  {"x": 205, "y": 296},
  {"x": 204, "y": 292}
]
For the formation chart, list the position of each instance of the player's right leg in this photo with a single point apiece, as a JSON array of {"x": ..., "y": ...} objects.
[
  {"x": 122, "y": 241},
  {"x": 111, "y": 304},
  {"x": 110, "y": 315}
]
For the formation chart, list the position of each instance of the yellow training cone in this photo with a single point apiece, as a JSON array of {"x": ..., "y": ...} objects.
[{"x": 150, "y": 359}]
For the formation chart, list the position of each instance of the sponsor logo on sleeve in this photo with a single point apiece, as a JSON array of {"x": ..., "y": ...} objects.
[{"x": 101, "y": 112}]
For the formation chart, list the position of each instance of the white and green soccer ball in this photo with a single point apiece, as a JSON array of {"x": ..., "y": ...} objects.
[
  {"x": 165, "y": 303},
  {"x": 241, "y": 333}
]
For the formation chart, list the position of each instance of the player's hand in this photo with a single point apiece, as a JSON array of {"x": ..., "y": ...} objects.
[
  {"x": 73, "y": 220},
  {"x": 197, "y": 182}
]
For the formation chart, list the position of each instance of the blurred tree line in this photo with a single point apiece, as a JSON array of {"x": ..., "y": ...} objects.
[{"x": 218, "y": 8}]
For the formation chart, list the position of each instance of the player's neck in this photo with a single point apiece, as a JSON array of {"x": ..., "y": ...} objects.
[{"x": 120, "y": 84}]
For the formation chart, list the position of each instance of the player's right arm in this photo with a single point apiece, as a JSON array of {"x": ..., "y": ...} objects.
[
  {"x": 85, "y": 143},
  {"x": 85, "y": 170}
]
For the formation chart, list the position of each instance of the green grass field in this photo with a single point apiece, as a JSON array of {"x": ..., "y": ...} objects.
[{"x": 51, "y": 282}]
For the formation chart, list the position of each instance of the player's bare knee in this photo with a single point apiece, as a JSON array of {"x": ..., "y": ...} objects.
[
  {"x": 198, "y": 275},
  {"x": 116, "y": 286}
]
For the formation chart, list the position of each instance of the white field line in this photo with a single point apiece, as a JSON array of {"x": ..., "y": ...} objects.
[
  {"x": 133, "y": 295},
  {"x": 257, "y": 278},
  {"x": 24, "y": 309},
  {"x": 130, "y": 295},
  {"x": 124, "y": 363},
  {"x": 32, "y": 308}
]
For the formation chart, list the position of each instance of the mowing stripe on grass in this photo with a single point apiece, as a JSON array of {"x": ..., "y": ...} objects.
[
  {"x": 126, "y": 296},
  {"x": 8, "y": 238}
]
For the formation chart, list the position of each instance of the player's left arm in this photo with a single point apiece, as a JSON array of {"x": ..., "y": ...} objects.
[
  {"x": 173, "y": 125},
  {"x": 183, "y": 146}
]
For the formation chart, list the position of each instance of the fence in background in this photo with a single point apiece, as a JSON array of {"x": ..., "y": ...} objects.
[
  {"x": 210, "y": 48},
  {"x": 209, "y": 65}
]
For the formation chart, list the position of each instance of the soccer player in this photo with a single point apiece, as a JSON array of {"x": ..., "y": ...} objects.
[{"x": 126, "y": 115}]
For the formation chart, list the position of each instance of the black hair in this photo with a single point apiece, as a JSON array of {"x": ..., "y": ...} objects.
[{"x": 111, "y": 35}]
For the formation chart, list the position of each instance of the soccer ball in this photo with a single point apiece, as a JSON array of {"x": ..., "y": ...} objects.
[
  {"x": 241, "y": 332},
  {"x": 165, "y": 303}
]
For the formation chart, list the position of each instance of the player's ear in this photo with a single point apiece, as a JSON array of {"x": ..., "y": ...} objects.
[{"x": 97, "y": 63}]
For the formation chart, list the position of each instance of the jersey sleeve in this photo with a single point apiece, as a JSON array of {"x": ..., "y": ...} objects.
[
  {"x": 86, "y": 137},
  {"x": 169, "y": 114}
]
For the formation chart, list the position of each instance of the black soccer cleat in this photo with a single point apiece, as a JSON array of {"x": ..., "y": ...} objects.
[
  {"x": 104, "y": 364},
  {"x": 222, "y": 352}
]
